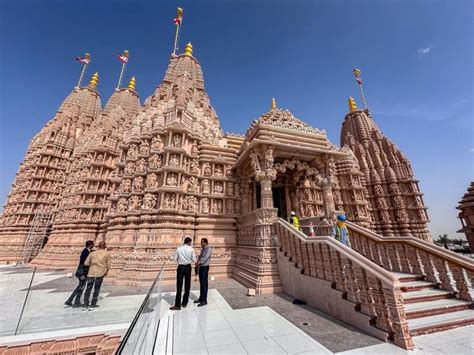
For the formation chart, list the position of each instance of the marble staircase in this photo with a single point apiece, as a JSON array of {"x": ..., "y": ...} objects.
[
  {"x": 403, "y": 286},
  {"x": 430, "y": 309}
]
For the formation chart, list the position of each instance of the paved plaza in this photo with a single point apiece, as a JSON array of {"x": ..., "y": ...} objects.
[{"x": 231, "y": 323}]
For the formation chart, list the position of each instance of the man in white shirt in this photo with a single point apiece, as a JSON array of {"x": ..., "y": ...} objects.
[{"x": 185, "y": 256}]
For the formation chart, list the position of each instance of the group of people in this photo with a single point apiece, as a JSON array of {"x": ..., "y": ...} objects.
[
  {"x": 339, "y": 231},
  {"x": 94, "y": 265},
  {"x": 185, "y": 257}
]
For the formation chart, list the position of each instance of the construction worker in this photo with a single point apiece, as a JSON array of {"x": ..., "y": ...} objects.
[
  {"x": 340, "y": 231},
  {"x": 295, "y": 220}
]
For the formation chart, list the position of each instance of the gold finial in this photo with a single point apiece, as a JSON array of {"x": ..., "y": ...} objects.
[
  {"x": 189, "y": 50},
  {"x": 132, "y": 83},
  {"x": 356, "y": 72},
  {"x": 274, "y": 104},
  {"x": 94, "y": 81},
  {"x": 352, "y": 104}
]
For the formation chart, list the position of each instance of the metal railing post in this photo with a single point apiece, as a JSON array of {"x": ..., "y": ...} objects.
[{"x": 24, "y": 302}]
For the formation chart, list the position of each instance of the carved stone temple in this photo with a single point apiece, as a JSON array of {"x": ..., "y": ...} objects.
[{"x": 144, "y": 176}]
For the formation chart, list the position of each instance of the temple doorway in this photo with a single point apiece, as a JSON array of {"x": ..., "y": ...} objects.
[{"x": 279, "y": 201}]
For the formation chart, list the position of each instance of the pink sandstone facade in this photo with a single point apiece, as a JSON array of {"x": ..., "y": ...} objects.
[
  {"x": 144, "y": 176},
  {"x": 466, "y": 215}
]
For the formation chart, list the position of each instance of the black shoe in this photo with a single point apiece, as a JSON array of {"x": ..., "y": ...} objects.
[
  {"x": 175, "y": 308},
  {"x": 184, "y": 305},
  {"x": 67, "y": 303},
  {"x": 94, "y": 306},
  {"x": 203, "y": 303},
  {"x": 198, "y": 301},
  {"x": 77, "y": 305}
]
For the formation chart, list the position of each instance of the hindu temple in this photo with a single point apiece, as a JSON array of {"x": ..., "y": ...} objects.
[{"x": 144, "y": 174}]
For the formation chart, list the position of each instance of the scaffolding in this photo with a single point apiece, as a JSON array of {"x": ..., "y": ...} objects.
[{"x": 37, "y": 235}]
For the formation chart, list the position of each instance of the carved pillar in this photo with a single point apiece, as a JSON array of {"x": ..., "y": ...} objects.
[
  {"x": 266, "y": 193},
  {"x": 328, "y": 199}
]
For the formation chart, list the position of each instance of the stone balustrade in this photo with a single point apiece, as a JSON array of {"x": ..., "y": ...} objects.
[
  {"x": 448, "y": 270},
  {"x": 375, "y": 291}
]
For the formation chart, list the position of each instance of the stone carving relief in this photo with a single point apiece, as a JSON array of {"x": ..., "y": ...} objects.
[
  {"x": 151, "y": 181},
  {"x": 156, "y": 143},
  {"x": 205, "y": 205},
  {"x": 172, "y": 179},
  {"x": 155, "y": 161},
  {"x": 149, "y": 201},
  {"x": 205, "y": 189}
]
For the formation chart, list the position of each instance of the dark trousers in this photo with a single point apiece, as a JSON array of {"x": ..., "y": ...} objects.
[
  {"x": 77, "y": 293},
  {"x": 96, "y": 282},
  {"x": 203, "y": 282},
  {"x": 182, "y": 272}
]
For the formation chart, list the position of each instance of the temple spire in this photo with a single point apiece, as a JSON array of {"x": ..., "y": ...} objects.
[
  {"x": 132, "y": 83},
  {"x": 94, "y": 81},
  {"x": 274, "y": 105},
  {"x": 189, "y": 50},
  {"x": 352, "y": 104}
]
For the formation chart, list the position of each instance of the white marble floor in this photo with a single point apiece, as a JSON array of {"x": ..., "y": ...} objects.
[
  {"x": 213, "y": 329},
  {"x": 218, "y": 329},
  {"x": 458, "y": 341}
]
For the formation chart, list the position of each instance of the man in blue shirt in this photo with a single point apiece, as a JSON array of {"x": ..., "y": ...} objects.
[
  {"x": 81, "y": 274},
  {"x": 203, "y": 264}
]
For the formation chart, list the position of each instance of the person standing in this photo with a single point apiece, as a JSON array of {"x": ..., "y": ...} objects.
[
  {"x": 99, "y": 263},
  {"x": 340, "y": 231},
  {"x": 185, "y": 256},
  {"x": 295, "y": 222},
  {"x": 203, "y": 265},
  {"x": 81, "y": 274}
]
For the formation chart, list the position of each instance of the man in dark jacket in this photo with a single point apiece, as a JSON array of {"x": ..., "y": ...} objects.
[
  {"x": 81, "y": 274},
  {"x": 203, "y": 265}
]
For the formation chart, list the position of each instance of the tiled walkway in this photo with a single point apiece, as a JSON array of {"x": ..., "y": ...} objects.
[
  {"x": 218, "y": 329},
  {"x": 231, "y": 323}
]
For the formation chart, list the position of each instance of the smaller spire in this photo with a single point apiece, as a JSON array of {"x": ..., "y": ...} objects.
[
  {"x": 189, "y": 50},
  {"x": 352, "y": 104},
  {"x": 274, "y": 104},
  {"x": 132, "y": 83},
  {"x": 94, "y": 81}
]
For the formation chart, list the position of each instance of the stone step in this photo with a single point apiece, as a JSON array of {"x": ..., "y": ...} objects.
[
  {"x": 430, "y": 308},
  {"x": 404, "y": 277},
  {"x": 440, "y": 322},
  {"x": 425, "y": 295},
  {"x": 416, "y": 285}
]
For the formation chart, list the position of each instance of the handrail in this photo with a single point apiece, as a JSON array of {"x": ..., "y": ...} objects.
[
  {"x": 453, "y": 257},
  {"x": 374, "y": 290},
  {"x": 362, "y": 261},
  {"x": 130, "y": 329}
]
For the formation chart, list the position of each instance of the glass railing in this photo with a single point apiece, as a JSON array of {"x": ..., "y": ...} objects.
[
  {"x": 15, "y": 285},
  {"x": 141, "y": 336}
]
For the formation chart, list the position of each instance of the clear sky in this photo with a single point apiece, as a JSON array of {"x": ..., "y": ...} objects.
[{"x": 416, "y": 59}]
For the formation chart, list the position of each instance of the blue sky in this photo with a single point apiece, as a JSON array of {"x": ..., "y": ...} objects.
[{"x": 416, "y": 58}]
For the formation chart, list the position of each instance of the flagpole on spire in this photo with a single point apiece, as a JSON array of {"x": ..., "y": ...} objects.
[
  {"x": 124, "y": 59},
  {"x": 85, "y": 61},
  {"x": 177, "y": 21},
  {"x": 358, "y": 78}
]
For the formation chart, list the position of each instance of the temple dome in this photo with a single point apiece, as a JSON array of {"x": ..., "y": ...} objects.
[{"x": 280, "y": 118}]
